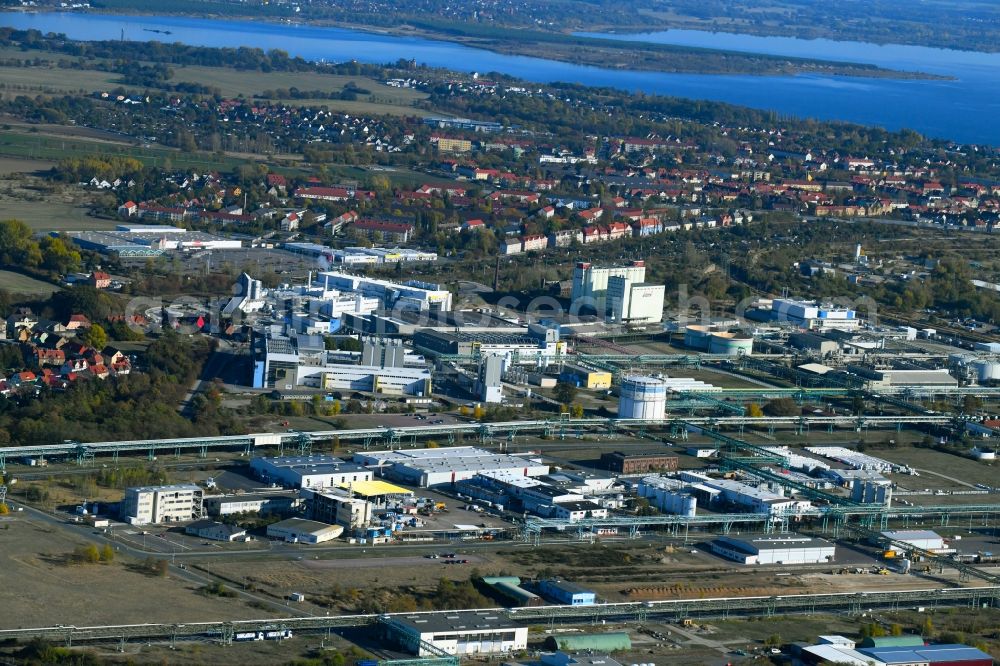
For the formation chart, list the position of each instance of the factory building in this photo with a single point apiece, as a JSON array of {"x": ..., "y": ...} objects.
[
  {"x": 489, "y": 380},
  {"x": 540, "y": 343},
  {"x": 813, "y": 316},
  {"x": 892, "y": 651},
  {"x": 303, "y": 360},
  {"x": 636, "y": 303},
  {"x": 339, "y": 508},
  {"x": 638, "y": 463},
  {"x": 566, "y": 593},
  {"x": 162, "y": 504},
  {"x": 317, "y": 471},
  {"x": 409, "y": 295},
  {"x": 788, "y": 549},
  {"x": 642, "y": 398},
  {"x": 263, "y": 503},
  {"x": 462, "y": 633},
  {"x": 590, "y": 283},
  {"x": 575, "y": 511},
  {"x": 923, "y": 539},
  {"x": 299, "y": 530},
  {"x": 752, "y": 498},
  {"x": 582, "y": 377},
  {"x": 215, "y": 531},
  {"x": 432, "y": 467},
  {"x": 149, "y": 240}
]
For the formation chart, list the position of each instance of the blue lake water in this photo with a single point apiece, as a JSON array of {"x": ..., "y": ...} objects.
[{"x": 965, "y": 109}]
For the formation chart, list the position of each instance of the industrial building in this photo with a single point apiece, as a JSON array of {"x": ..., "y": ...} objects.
[
  {"x": 489, "y": 380},
  {"x": 462, "y": 633},
  {"x": 162, "y": 504},
  {"x": 317, "y": 471},
  {"x": 923, "y": 539},
  {"x": 149, "y": 240},
  {"x": 587, "y": 378},
  {"x": 566, "y": 593},
  {"x": 303, "y": 360},
  {"x": 785, "y": 549},
  {"x": 539, "y": 343},
  {"x": 257, "y": 502},
  {"x": 635, "y": 303},
  {"x": 215, "y": 531},
  {"x": 813, "y": 316},
  {"x": 590, "y": 283},
  {"x": 299, "y": 530},
  {"x": 670, "y": 495},
  {"x": 638, "y": 463},
  {"x": 409, "y": 295},
  {"x": 432, "y": 467},
  {"x": 642, "y": 398},
  {"x": 338, "y": 507},
  {"x": 754, "y": 499},
  {"x": 892, "y": 651}
]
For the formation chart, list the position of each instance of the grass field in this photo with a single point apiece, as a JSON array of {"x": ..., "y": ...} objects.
[
  {"x": 233, "y": 82},
  {"x": 22, "y": 284},
  {"x": 22, "y": 80},
  {"x": 51, "y": 215},
  {"x": 41, "y": 147},
  {"x": 382, "y": 99},
  {"x": 12, "y": 165}
]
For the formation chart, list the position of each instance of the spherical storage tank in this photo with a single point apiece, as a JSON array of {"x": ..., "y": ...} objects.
[
  {"x": 642, "y": 398},
  {"x": 987, "y": 371}
]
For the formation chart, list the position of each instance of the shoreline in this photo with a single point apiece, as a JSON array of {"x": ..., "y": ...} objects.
[{"x": 567, "y": 48}]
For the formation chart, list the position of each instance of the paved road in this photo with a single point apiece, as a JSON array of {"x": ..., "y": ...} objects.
[{"x": 217, "y": 362}]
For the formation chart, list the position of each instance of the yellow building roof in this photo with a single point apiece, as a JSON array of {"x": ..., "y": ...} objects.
[{"x": 375, "y": 488}]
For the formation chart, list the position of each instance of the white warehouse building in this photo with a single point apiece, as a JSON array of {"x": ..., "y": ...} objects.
[
  {"x": 409, "y": 295},
  {"x": 463, "y": 633},
  {"x": 630, "y": 302},
  {"x": 785, "y": 549},
  {"x": 317, "y": 471},
  {"x": 433, "y": 467}
]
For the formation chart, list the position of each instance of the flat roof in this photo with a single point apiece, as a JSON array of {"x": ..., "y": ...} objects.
[
  {"x": 303, "y": 525},
  {"x": 756, "y": 545},
  {"x": 375, "y": 488},
  {"x": 458, "y": 621}
]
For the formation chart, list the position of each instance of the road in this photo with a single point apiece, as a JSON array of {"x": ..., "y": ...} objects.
[{"x": 213, "y": 368}]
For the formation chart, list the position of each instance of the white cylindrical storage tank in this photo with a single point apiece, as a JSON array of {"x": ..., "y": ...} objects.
[
  {"x": 987, "y": 371},
  {"x": 642, "y": 398},
  {"x": 730, "y": 344}
]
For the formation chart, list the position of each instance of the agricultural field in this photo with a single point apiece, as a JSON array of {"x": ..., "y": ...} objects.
[
  {"x": 16, "y": 283},
  {"x": 12, "y": 165},
  {"x": 232, "y": 83},
  {"x": 54, "y": 81},
  {"x": 52, "y": 215}
]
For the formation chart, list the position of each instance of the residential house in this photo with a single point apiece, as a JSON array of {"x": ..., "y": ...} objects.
[
  {"x": 395, "y": 232},
  {"x": 100, "y": 280}
]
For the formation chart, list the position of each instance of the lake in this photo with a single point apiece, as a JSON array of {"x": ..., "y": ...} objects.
[{"x": 964, "y": 109}]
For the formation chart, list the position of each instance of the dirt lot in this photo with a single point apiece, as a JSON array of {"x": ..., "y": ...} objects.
[{"x": 39, "y": 590}]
